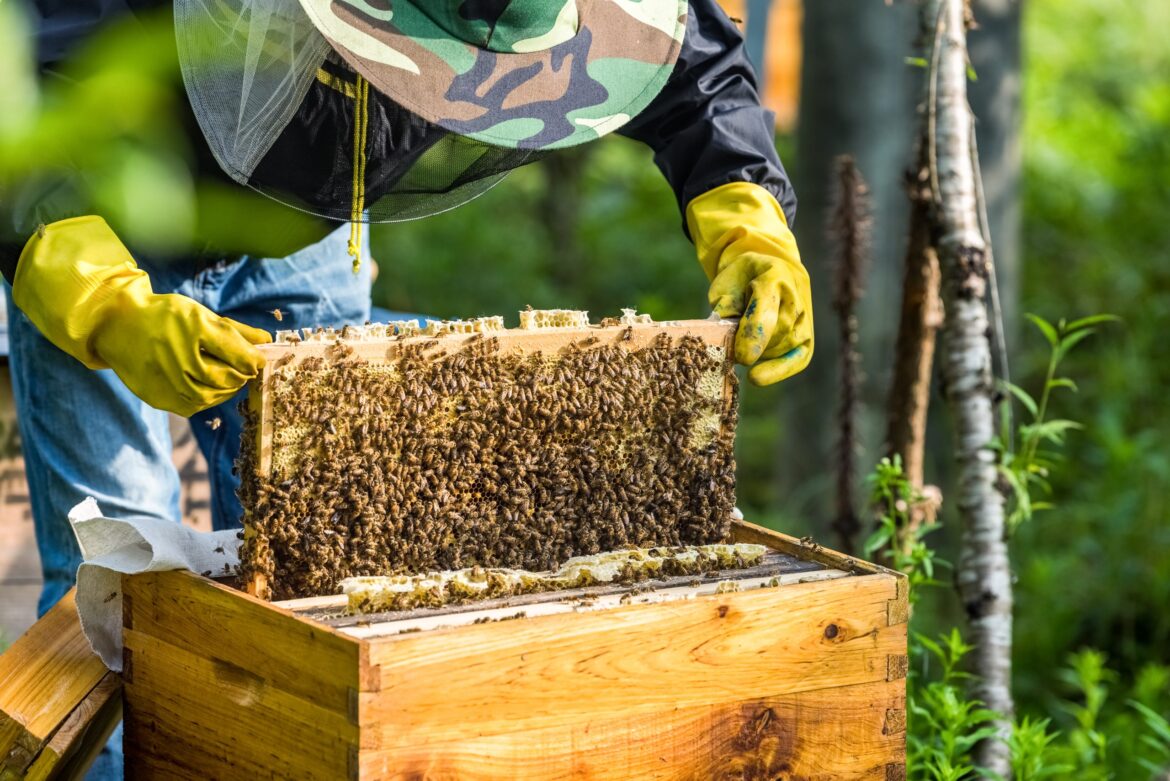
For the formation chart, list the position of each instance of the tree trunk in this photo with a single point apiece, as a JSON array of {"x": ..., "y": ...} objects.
[
  {"x": 921, "y": 316},
  {"x": 561, "y": 213},
  {"x": 850, "y": 229},
  {"x": 983, "y": 576}
]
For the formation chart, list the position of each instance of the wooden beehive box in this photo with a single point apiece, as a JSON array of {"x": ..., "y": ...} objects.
[{"x": 797, "y": 675}]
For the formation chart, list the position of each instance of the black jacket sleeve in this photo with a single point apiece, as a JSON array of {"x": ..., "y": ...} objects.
[{"x": 707, "y": 127}]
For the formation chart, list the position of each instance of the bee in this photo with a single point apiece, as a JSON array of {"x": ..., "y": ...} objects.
[
  {"x": 110, "y": 598},
  {"x": 278, "y": 315},
  {"x": 807, "y": 542}
]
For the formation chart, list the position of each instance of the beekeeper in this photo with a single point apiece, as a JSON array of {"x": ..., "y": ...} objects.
[{"x": 364, "y": 111}]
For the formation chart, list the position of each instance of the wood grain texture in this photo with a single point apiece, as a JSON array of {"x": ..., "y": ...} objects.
[
  {"x": 743, "y": 531},
  {"x": 203, "y": 718},
  {"x": 561, "y": 669},
  {"x": 222, "y": 685},
  {"x": 795, "y": 681},
  {"x": 838, "y": 733},
  {"x": 212, "y": 621},
  {"x": 46, "y": 676},
  {"x": 898, "y": 608},
  {"x": 74, "y": 746}
]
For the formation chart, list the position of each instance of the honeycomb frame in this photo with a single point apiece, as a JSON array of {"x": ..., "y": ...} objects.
[{"x": 385, "y": 449}]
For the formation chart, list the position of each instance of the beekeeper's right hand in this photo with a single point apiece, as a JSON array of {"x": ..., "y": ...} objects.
[{"x": 79, "y": 285}]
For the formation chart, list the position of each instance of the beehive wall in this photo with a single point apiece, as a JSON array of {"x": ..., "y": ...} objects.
[{"x": 413, "y": 453}]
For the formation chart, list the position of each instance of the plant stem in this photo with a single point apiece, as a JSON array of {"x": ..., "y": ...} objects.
[{"x": 1041, "y": 409}]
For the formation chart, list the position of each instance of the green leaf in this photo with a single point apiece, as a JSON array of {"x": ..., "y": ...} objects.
[
  {"x": 1063, "y": 382},
  {"x": 1071, "y": 341},
  {"x": 1153, "y": 767},
  {"x": 1154, "y": 720},
  {"x": 1024, "y": 397},
  {"x": 1156, "y": 745},
  {"x": 929, "y": 644},
  {"x": 1085, "y": 322},
  {"x": 916, "y": 62},
  {"x": 1050, "y": 430},
  {"x": 1046, "y": 328}
]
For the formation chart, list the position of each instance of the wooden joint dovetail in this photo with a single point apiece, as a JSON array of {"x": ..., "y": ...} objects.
[
  {"x": 895, "y": 722},
  {"x": 18, "y": 760},
  {"x": 897, "y": 665},
  {"x": 352, "y": 705},
  {"x": 369, "y": 675},
  {"x": 127, "y": 611},
  {"x": 353, "y": 765},
  {"x": 371, "y": 678},
  {"x": 127, "y": 665},
  {"x": 898, "y": 608}
]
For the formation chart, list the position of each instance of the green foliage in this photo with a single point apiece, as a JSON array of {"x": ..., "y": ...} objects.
[
  {"x": 1108, "y": 736},
  {"x": 1024, "y": 465},
  {"x": 1087, "y": 744},
  {"x": 1157, "y": 739},
  {"x": 1096, "y": 238},
  {"x": 1031, "y": 745},
  {"x": 105, "y": 135},
  {"x": 906, "y": 551},
  {"x": 943, "y": 723}
]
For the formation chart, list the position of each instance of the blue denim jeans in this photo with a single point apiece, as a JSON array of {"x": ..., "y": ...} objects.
[{"x": 85, "y": 434}]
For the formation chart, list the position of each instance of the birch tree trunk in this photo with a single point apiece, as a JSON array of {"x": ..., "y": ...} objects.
[{"x": 983, "y": 576}]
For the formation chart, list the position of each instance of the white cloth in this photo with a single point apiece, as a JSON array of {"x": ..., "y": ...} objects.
[{"x": 111, "y": 548}]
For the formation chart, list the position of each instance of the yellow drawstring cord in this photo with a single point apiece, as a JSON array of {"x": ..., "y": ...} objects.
[{"x": 361, "y": 118}]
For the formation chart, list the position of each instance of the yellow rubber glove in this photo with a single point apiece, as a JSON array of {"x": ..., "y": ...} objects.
[
  {"x": 79, "y": 285},
  {"x": 750, "y": 257}
]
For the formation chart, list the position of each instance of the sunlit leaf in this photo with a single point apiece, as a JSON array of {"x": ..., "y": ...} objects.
[
  {"x": 1045, "y": 327},
  {"x": 1023, "y": 396},
  {"x": 1085, "y": 322}
]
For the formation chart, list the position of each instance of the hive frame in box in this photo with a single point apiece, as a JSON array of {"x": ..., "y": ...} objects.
[
  {"x": 804, "y": 679},
  {"x": 447, "y": 338}
]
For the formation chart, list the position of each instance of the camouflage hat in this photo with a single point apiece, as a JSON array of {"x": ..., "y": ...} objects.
[{"x": 528, "y": 74}]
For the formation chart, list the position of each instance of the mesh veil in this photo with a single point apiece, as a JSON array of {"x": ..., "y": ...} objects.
[
  {"x": 247, "y": 65},
  {"x": 278, "y": 109}
]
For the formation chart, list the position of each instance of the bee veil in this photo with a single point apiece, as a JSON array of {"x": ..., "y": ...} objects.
[{"x": 387, "y": 110}]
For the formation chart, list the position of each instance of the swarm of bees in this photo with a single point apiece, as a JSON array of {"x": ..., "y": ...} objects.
[{"x": 487, "y": 457}]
